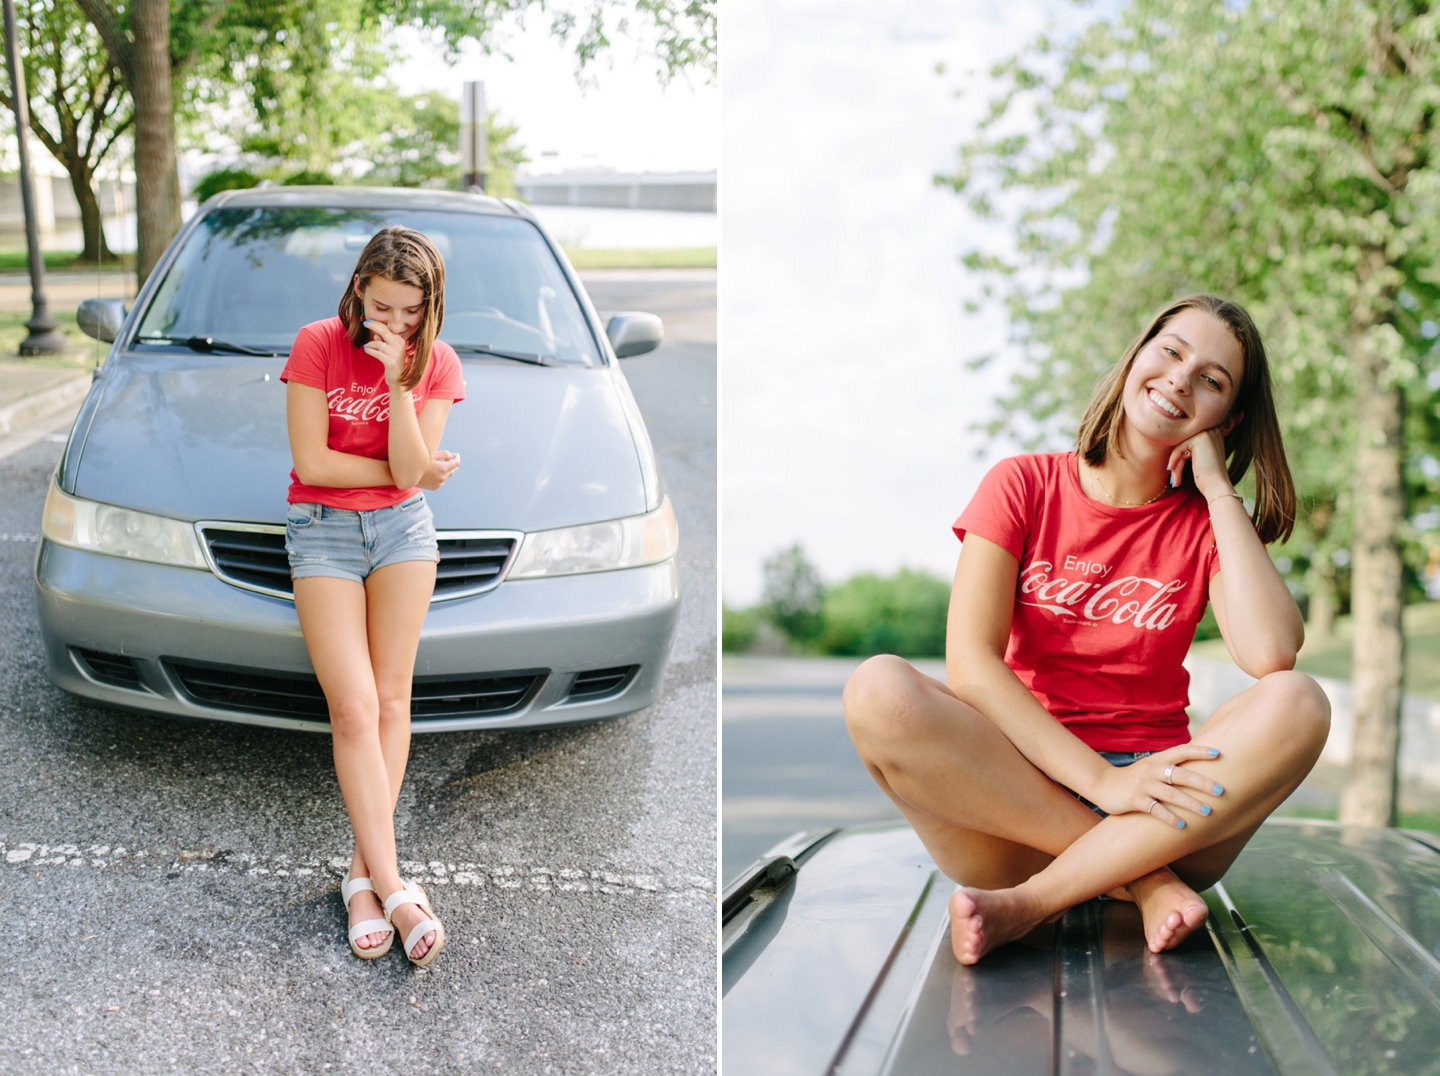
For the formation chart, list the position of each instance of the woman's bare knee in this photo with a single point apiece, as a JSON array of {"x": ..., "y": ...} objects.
[
  {"x": 879, "y": 693},
  {"x": 1299, "y": 705},
  {"x": 354, "y": 717}
]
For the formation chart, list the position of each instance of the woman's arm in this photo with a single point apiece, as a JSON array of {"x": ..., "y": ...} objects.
[
  {"x": 307, "y": 416},
  {"x": 982, "y": 603},
  {"x": 1258, "y": 618}
]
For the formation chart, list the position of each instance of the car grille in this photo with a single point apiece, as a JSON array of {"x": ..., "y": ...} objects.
[
  {"x": 589, "y": 686},
  {"x": 253, "y": 556},
  {"x": 297, "y": 695},
  {"x": 113, "y": 669}
]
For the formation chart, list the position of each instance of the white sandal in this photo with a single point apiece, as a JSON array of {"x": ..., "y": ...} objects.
[
  {"x": 348, "y": 888},
  {"x": 411, "y": 893}
]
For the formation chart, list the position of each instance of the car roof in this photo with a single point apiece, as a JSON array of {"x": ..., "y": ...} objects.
[
  {"x": 1319, "y": 956},
  {"x": 364, "y": 198}
]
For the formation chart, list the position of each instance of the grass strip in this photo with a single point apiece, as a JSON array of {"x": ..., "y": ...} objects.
[{"x": 660, "y": 258}]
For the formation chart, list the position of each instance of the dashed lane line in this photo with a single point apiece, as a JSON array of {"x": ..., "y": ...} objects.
[{"x": 540, "y": 879}]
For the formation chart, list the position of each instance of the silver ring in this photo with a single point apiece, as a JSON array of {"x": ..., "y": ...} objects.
[
  {"x": 1170, "y": 775},
  {"x": 1153, "y": 804}
]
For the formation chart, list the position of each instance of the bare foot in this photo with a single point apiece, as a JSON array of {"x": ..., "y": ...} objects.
[
  {"x": 364, "y": 905},
  {"x": 1170, "y": 908},
  {"x": 981, "y": 919}
]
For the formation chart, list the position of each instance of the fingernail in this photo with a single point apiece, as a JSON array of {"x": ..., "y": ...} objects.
[
  {"x": 1170, "y": 480},
  {"x": 1218, "y": 790},
  {"x": 1214, "y": 753},
  {"x": 1180, "y": 824},
  {"x": 1204, "y": 808}
]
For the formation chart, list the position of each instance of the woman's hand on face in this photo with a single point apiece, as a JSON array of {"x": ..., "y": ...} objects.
[
  {"x": 1205, "y": 452},
  {"x": 389, "y": 348},
  {"x": 441, "y": 468},
  {"x": 1141, "y": 786}
]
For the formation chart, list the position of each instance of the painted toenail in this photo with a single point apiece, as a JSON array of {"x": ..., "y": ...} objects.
[
  {"x": 1218, "y": 790},
  {"x": 1204, "y": 808}
]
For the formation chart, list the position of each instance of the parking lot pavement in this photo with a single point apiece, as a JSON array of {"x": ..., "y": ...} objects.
[{"x": 169, "y": 890}]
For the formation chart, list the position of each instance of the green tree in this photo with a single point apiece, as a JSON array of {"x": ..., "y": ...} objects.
[
  {"x": 899, "y": 614},
  {"x": 277, "y": 48},
  {"x": 78, "y": 107},
  {"x": 793, "y": 595},
  {"x": 1278, "y": 151}
]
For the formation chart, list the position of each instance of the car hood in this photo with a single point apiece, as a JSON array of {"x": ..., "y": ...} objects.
[{"x": 205, "y": 438}]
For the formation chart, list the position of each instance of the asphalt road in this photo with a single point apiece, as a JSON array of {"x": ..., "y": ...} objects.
[
  {"x": 169, "y": 890},
  {"x": 788, "y": 762}
]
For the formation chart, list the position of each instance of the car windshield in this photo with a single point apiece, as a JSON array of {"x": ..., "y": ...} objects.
[{"x": 253, "y": 276}]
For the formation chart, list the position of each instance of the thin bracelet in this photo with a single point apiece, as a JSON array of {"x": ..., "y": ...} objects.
[{"x": 1222, "y": 496}]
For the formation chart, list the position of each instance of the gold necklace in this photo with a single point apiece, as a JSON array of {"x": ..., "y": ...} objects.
[{"x": 1128, "y": 504}]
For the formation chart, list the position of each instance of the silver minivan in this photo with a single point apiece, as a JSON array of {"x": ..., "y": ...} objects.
[{"x": 162, "y": 580}]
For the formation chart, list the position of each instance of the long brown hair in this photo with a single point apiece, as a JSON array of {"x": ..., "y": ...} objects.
[
  {"x": 1254, "y": 440},
  {"x": 406, "y": 257}
]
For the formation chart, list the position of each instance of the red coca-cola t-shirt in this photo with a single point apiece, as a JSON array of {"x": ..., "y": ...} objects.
[
  {"x": 1106, "y": 602},
  {"x": 354, "y": 384}
]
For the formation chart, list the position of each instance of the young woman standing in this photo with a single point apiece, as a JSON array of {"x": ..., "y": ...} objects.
[
  {"x": 1055, "y": 764},
  {"x": 367, "y": 396}
]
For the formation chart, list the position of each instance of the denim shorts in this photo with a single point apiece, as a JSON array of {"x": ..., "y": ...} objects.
[
  {"x": 1115, "y": 758},
  {"x": 337, "y": 543}
]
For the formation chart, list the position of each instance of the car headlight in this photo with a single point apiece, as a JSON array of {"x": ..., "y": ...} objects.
[
  {"x": 119, "y": 532},
  {"x": 599, "y": 547}
]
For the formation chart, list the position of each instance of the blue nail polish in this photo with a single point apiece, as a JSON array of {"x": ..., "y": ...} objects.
[
  {"x": 1180, "y": 824},
  {"x": 1218, "y": 790},
  {"x": 1204, "y": 808},
  {"x": 1214, "y": 753}
]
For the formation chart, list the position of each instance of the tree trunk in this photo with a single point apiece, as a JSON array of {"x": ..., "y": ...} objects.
[
  {"x": 1320, "y": 626},
  {"x": 157, "y": 178},
  {"x": 1376, "y": 592},
  {"x": 96, "y": 249}
]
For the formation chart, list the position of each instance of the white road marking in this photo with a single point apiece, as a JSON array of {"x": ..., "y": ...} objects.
[{"x": 535, "y": 879}]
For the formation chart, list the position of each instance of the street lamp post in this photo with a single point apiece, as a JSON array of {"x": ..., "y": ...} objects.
[
  {"x": 474, "y": 135},
  {"x": 45, "y": 337}
]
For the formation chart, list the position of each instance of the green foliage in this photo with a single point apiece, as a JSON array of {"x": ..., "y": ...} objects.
[
  {"x": 681, "y": 33},
  {"x": 225, "y": 179},
  {"x": 867, "y": 614},
  {"x": 793, "y": 596},
  {"x": 78, "y": 105},
  {"x": 738, "y": 629},
  {"x": 899, "y": 614},
  {"x": 1281, "y": 152}
]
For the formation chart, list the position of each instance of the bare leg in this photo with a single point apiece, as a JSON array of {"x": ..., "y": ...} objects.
[
  {"x": 993, "y": 821},
  {"x": 333, "y": 621},
  {"x": 1269, "y": 738},
  {"x": 988, "y": 817},
  {"x": 362, "y": 643},
  {"x": 398, "y": 598}
]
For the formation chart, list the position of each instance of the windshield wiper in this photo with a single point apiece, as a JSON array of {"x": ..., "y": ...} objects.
[
  {"x": 206, "y": 344},
  {"x": 517, "y": 356}
]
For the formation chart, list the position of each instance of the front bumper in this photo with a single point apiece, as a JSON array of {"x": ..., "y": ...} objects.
[{"x": 157, "y": 615}]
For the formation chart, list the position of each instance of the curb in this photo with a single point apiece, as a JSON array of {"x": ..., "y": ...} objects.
[{"x": 28, "y": 409}]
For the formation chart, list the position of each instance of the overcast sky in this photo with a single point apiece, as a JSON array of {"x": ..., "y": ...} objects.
[
  {"x": 626, "y": 120},
  {"x": 846, "y": 399}
]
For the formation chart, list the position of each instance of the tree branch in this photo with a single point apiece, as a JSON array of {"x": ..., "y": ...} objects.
[{"x": 120, "y": 47}]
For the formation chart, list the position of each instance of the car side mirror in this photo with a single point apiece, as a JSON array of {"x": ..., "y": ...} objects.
[
  {"x": 634, "y": 333},
  {"x": 101, "y": 318}
]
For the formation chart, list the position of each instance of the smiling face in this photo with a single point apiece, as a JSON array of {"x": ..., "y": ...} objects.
[
  {"x": 1184, "y": 381},
  {"x": 400, "y": 307}
]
